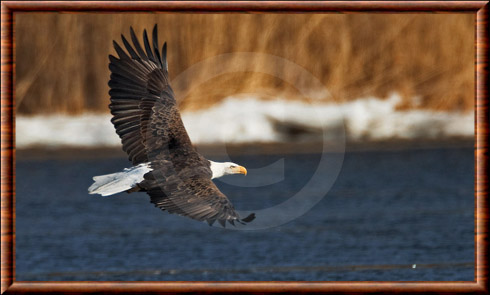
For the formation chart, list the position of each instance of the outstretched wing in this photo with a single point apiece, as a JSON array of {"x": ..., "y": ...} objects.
[
  {"x": 139, "y": 83},
  {"x": 147, "y": 120},
  {"x": 190, "y": 192}
]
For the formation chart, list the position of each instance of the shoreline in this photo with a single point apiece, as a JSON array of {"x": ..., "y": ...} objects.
[{"x": 251, "y": 148}]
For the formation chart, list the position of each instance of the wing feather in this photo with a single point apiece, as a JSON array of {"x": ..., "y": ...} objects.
[
  {"x": 155, "y": 46},
  {"x": 120, "y": 51},
  {"x": 149, "y": 53},
  {"x": 189, "y": 192},
  {"x": 130, "y": 49},
  {"x": 147, "y": 120},
  {"x": 137, "y": 45}
]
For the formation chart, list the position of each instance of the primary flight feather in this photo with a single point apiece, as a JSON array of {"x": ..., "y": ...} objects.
[{"x": 165, "y": 164}]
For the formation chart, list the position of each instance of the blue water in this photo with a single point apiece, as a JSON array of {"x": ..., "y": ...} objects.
[{"x": 405, "y": 215}]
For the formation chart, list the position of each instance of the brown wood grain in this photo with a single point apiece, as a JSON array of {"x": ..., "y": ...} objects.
[
  {"x": 251, "y": 6},
  {"x": 255, "y": 287},
  {"x": 481, "y": 148},
  {"x": 7, "y": 153},
  {"x": 480, "y": 285}
]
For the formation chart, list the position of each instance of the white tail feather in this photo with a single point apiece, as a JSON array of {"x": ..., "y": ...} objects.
[{"x": 114, "y": 183}]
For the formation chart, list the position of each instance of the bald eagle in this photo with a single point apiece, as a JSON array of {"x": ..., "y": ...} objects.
[{"x": 165, "y": 164}]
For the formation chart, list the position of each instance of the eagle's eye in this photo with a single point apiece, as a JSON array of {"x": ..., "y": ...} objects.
[{"x": 232, "y": 166}]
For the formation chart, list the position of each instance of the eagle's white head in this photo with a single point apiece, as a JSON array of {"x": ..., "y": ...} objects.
[{"x": 226, "y": 168}]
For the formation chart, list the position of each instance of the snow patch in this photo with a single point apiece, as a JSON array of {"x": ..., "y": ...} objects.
[{"x": 239, "y": 120}]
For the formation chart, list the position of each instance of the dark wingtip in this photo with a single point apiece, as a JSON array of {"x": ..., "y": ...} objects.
[
  {"x": 146, "y": 42},
  {"x": 155, "y": 46},
  {"x": 112, "y": 58},
  {"x": 119, "y": 51},
  {"x": 129, "y": 48},
  {"x": 249, "y": 218},
  {"x": 211, "y": 221},
  {"x": 131, "y": 32}
]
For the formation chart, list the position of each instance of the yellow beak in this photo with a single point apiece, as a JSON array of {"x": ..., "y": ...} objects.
[{"x": 240, "y": 170}]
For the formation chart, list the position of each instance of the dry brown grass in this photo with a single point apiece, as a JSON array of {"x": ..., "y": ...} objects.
[{"x": 62, "y": 58}]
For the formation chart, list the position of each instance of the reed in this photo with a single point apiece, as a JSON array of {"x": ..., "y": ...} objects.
[{"x": 61, "y": 59}]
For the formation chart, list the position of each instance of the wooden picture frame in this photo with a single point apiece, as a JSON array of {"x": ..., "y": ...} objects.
[{"x": 9, "y": 8}]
